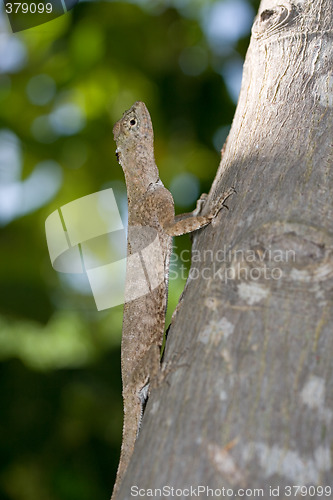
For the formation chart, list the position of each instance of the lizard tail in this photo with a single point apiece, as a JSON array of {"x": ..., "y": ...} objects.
[{"x": 130, "y": 430}]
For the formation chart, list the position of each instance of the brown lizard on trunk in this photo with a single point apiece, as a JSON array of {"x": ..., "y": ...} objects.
[{"x": 151, "y": 225}]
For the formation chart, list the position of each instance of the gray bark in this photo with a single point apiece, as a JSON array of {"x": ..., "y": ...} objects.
[{"x": 247, "y": 395}]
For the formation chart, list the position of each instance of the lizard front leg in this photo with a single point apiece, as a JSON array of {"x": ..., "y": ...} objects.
[{"x": 186, "y": 223}]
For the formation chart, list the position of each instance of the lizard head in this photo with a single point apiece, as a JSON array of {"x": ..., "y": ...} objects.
[{"x": 133, "y": 129}]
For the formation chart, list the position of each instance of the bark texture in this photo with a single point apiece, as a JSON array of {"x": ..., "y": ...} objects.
[{"x": 247, "y": 397}]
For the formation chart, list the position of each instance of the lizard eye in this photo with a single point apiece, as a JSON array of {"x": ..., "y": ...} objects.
[{"x": 133, "y": 122}]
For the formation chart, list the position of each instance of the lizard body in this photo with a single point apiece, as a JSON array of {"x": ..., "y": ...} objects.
[{"x": 150, "y": 206}]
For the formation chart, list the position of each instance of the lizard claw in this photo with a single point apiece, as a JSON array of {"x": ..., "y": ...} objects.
[{"x": 221, "y": 202}]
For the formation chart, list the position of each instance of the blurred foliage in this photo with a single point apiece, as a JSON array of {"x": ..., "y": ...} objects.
[{"x": 61, "y": 408}]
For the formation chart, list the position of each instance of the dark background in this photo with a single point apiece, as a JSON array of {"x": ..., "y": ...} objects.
[{"x": 62, "y": 87}]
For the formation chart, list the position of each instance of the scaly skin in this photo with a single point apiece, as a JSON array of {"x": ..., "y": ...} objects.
[{"x": 152, "y": 223}]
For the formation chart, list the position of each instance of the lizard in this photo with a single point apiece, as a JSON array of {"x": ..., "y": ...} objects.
[{"x": 150, "y": 206}]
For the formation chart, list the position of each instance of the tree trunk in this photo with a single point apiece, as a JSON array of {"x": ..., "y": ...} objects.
[{"x": 247, "y": 396}]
